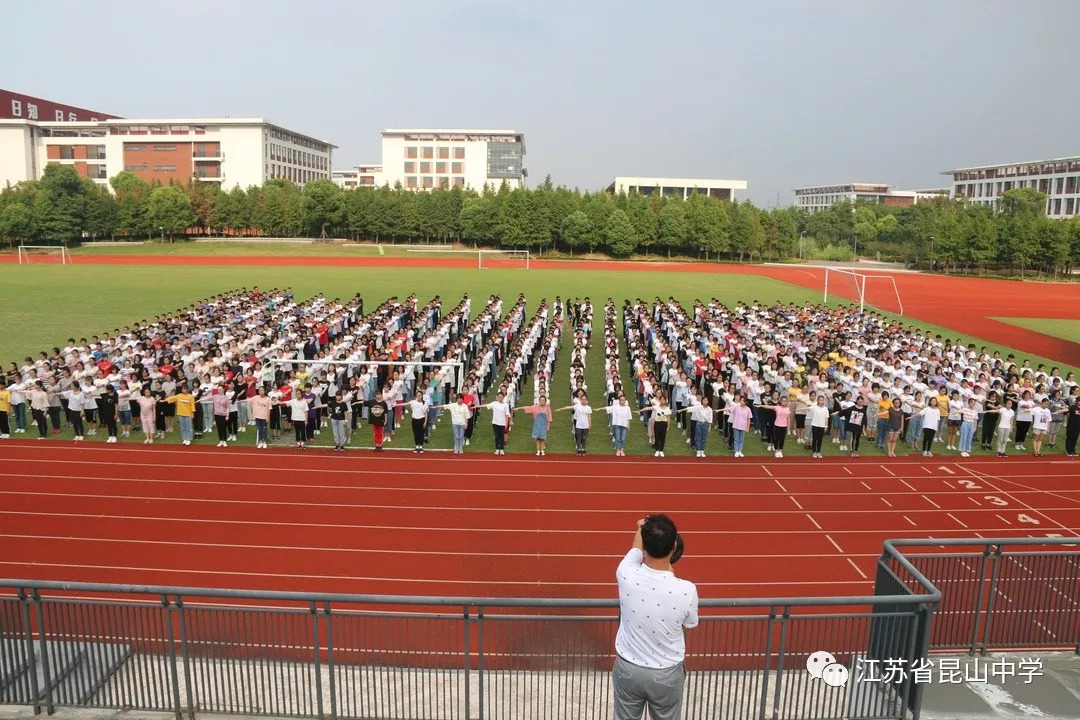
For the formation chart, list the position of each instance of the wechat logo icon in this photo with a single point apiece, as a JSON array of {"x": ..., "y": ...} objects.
[{"x": 823, "y": 666}]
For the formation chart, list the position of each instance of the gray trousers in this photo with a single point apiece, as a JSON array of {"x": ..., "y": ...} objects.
[{"x": 636, "y": 686}]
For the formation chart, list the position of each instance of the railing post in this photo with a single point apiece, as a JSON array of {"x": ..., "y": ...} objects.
[
  {"x": 923, "y": 617},
  {"x": 174, "y": 676},
  {"x": 31, "y": 656},
  {"x": 995, "y": 566},
  {"x": 480, "y": 660},
  {"x": 318, "y": 662},
  {"x": 188, "y": 684},
  {"x": 768, "y": 655},
  {"x": 978, "y": 599},
  {"x": 780, "y": 660},
  {"x": 330, "y": 660},
  {"x": 468, "y": 678},
  {"x": 43, "y": 650}
]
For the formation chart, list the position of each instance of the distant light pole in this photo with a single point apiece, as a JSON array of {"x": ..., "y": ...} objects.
[{"x": 162, "y": 229}]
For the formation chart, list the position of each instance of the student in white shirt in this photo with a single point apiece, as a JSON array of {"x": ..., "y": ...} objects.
[
  {"x": 418, "y": 413},
  {"x": 817, "y": 417},
  {"x": 500, "y": 414},
  {"x": 620, "y": 423},
  {"x": 650, "y": 646},
  {"x": 1005, "y": 415},
  {"x": 298, "y": 412},
  {"x": 459, "y": 418},
  {"x": 582, "y": 414},
  {"x": 1040, "y": 423}
]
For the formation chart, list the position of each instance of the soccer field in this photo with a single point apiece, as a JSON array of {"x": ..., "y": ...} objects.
[{"x": 43, "y": 305}]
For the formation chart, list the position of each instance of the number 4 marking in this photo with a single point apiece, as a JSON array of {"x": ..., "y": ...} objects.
[{"x": 1027, "y": 519}]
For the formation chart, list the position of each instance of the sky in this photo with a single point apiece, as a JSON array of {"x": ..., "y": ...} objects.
[{"x": 780, "y": 93}]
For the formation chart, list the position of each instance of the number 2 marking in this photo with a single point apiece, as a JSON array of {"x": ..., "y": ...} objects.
[{"x": 969, "y": 484}]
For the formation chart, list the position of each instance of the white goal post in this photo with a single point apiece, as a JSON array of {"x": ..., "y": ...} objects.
[
  {"x": 859, "y": 280},
  {"x": 519, "y": 254},
  {"x": 26, "y": 252}
]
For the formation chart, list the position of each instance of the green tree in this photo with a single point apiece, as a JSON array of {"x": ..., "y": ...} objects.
[
  {"x": 1052, "y": 245},
  {"x": 16, "y": 223},
  {"x": 1019, "y": 213},
  {"x": 132, "y": 193},
  {"x": 169, "y": 210},
  {"x": 619, "y": 234},
  {"x": 672, "y": 230},
  {"x": 576, "y": 230},
  {"x": 643, "y": 217},
  {"x": 748, "y": 235},
  {"x": 101, "y": 211},
  {"x": 480, "y": 219},
  {"x": 322, "y": 206}
]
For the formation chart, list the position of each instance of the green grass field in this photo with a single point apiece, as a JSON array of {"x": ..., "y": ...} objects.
[
  {"x": 1065, "y": 329},
  {"x": 41, "y": 306}
]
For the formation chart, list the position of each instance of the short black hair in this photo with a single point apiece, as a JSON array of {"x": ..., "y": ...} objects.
[{"x": 658, "y": 536}]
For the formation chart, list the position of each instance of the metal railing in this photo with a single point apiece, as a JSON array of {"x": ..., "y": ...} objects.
[
  {"x": 194, "y": 650},
  {"x": 1013, "y": 593}
]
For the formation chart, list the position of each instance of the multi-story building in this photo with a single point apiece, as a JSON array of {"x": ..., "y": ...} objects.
[
  {"x": 677, "y": 187},
  {"x": 427, "y": 159},
  {"x": 235, "y": 152},
  {"x": 1058, "y": 179},
  {"x": 367, "y": 175},
  {"x": 821, "y": 197}
]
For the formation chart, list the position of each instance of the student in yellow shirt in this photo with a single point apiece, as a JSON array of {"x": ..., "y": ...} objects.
[
  {"x": 5, "y": 410},
  {"x": 185, "y": 411}
]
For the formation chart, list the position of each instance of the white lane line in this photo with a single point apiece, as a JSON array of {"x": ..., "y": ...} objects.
[
  {"x": 974, "y": 501},
  {"x": 796, "y": 502},
  {"x": 909, "y": 485},
  {"x": 888, "y": 471},
  {"x": 865, "y": 485},
  {"x": 1003, "y": 520},
  {"x": 835, "y": 545},
  {"x": 927, "y": 470},
  {"x": 813, "y": 521},
  {"x": 857, "y": 568},
  {"x": 912, "y": 522},
  {"x": 987, "y": 477},
  {"x": 767, "y": 471},
  {"x": 957, "y": 520},
  {"x": 931, "y": 502},
  {"x": 886, "y": 502},
  {"x": 780, "y": 485},
  {"x": 383, "y": 580},
  {"x": 848, "y": 470}
]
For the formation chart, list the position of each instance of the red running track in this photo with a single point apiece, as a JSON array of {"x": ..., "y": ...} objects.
[
  {"x": 486, "y": 526},
  {"x": 964, "y": 304}
]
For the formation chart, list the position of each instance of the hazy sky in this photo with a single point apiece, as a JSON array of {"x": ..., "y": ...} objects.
[{"x": 781, "y": 94}]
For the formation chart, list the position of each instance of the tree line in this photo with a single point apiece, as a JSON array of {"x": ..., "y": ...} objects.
[{"x": 950, "y": 233}]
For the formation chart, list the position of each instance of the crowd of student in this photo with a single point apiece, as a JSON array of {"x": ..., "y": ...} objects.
[{"x": 808, "y": 374}]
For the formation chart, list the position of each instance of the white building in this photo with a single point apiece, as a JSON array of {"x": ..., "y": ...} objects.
[
  {"x": 236, "y": 152},
  {"x": 367, "y": 175},
  {"x": 427, "y": 159},
  {"x": 821, "y": 197},
  {"x": 677, "y": 187},
  {"x": 1059, "y": 179}
]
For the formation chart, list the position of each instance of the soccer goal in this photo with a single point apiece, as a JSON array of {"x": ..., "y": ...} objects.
[
  {"x": 512, "y": 259},
  {"x": 876, "y": 290},
  {"x": 44, "y": 254}
]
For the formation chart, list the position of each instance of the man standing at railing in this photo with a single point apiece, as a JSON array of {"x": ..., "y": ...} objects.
[{"x": 654, "y": 607}]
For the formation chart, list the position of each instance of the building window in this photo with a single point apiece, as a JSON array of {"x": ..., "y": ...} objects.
[
  {"x": 164, "y": 148},
  {"x": 504, "y": 159},
  {"x": 444, "y": 153},
  {"x": 134, "y": 148},
  {"x": 459, "y": 153},
  {"x": 1069, "y": 206},
  {"x": 164, "y": 168},
  {"x": 410, "y": 167},
  {"x": 410, "y": 152},
  {"x": 410, "y": 181},
  {"x": 428, "y": 152},
  {"x": 440, "y": 167},
  {"x": 444, "y": 182},
  {"x": 429, "y": 181},
  {"x": 135, "y": 168},
  {"x": 457, "y": 168},
  {"x": 96, "y": 172},
  {"x": 459, "y": 182},
  {"x": 67, "y": 152},
  {"x": 425, "y": 167}
]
